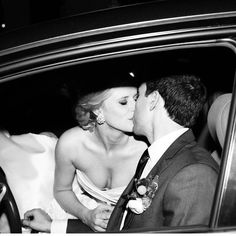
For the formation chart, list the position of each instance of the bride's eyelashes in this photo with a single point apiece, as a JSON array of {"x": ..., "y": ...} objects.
[{"x": 123, "y": 102}]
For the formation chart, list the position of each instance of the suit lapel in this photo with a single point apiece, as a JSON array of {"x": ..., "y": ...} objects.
[
  {"x": 161, "y": 165},
  {"x": 170, "y": 153},
  {"x": 166, "y": 159}
]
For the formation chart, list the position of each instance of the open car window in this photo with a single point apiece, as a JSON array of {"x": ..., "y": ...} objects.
[
  {"x": 44, "y": 67},
  {"x": 44, "y": 101}
]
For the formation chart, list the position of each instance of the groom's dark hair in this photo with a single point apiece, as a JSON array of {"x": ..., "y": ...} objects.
[{"x": 184, "y": 97}]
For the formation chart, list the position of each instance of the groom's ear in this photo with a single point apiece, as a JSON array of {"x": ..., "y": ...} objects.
[{"x": 155, "y": 100}]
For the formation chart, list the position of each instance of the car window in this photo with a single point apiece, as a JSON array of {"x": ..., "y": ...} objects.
[
  {"x": 41, "y": 101},
  {"x": 44, "y": 101},
  {"x": 224, "y": 216}
]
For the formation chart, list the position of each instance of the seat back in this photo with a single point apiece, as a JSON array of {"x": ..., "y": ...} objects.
[
  {"x": 217, "y": 122},
  {"x": 201, "y": 130}
]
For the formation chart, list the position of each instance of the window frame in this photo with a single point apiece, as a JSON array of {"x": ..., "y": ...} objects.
[{"x": 145, "y": 43}]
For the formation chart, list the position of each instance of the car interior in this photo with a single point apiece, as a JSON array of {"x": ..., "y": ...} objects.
[{"x": 44, "y": 101}]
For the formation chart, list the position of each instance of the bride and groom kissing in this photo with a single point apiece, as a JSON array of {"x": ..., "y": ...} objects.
[{"x": 174, "y": 182}]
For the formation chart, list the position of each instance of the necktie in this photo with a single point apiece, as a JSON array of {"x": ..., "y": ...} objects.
[{"x": 142, "y": 163}]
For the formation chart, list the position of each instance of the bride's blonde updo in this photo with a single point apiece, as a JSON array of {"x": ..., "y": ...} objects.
[{"x": 85, "y": 107}]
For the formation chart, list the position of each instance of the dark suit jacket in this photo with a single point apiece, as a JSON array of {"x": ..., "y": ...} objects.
[{"x": 187, "y": 180}]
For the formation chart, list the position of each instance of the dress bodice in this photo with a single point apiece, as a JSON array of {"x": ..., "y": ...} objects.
[
  {"x": 88, "y": 194},
  {"x": 109, "y": 196}
]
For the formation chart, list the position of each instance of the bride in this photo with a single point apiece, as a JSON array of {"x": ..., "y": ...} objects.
[{"x": 101, "y": 154}]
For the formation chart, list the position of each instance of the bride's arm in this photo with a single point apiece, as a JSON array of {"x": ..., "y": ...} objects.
[{"x": 64, "y": 175}]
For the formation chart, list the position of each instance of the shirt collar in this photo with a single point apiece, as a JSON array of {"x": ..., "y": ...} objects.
[{"x": 159, "y": 146}]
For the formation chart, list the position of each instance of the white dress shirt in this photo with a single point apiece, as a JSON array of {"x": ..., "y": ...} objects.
[
  {"x": 156, "y": 150},
  {"x": 158, "y": 147}
]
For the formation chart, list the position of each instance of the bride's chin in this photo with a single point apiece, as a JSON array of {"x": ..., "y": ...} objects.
[{"x": 129, "y": 128}]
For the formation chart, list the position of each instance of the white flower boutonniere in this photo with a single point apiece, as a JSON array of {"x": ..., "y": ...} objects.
[
  {"x": 141, "y": 198},
  {"x": 136, "y": 205}
]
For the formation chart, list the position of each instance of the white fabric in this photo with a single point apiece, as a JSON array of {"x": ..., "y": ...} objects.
[
  {"x": 82, "y": 186},
  {"x": 109, "y": 196},
  {"x": 28, "y": 162},
  {"x": 155, "y": 151}
]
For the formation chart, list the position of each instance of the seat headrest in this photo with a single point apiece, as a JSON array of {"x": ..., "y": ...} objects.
[{"x": 218, "y": 117}]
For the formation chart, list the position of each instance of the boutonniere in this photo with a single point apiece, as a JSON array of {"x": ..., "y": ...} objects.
[{"x": 141, "y": 198}]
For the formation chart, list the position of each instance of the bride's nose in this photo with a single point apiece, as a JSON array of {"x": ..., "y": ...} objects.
[{"x": 132, "y": 106}]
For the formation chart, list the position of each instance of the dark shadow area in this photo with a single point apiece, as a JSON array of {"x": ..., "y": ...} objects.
[{"x": 44, "y": 102}]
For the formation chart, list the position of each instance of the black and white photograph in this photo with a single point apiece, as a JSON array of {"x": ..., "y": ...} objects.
[{"x": 117, "y": 116}]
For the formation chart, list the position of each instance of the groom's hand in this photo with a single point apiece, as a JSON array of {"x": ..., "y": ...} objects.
[
  {"x": 99, "y": 217},
  {"x": 37, "y": 219}
]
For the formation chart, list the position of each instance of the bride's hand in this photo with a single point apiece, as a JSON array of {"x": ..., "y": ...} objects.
[{"x": 98, "y": 218}]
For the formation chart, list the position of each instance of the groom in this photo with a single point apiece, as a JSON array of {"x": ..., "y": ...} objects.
[
  {"x": 182, "y": 176},
  {"x": 164, "y": 111}
]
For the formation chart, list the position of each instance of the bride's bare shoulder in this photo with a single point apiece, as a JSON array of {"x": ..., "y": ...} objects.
[
  {"x": 71, "y": 144},
  {"x": 73, "y": 136}
]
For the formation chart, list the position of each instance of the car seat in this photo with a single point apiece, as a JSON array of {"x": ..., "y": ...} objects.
[
  {"x": 217, "y": 122},
  {"x": 201, "y": 129}
]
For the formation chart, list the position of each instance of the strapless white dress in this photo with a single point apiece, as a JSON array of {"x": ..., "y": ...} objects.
[{"x": 88, "y": 194}]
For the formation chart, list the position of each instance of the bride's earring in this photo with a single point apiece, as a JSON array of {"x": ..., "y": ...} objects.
[{"x": 100, "y": 119}]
